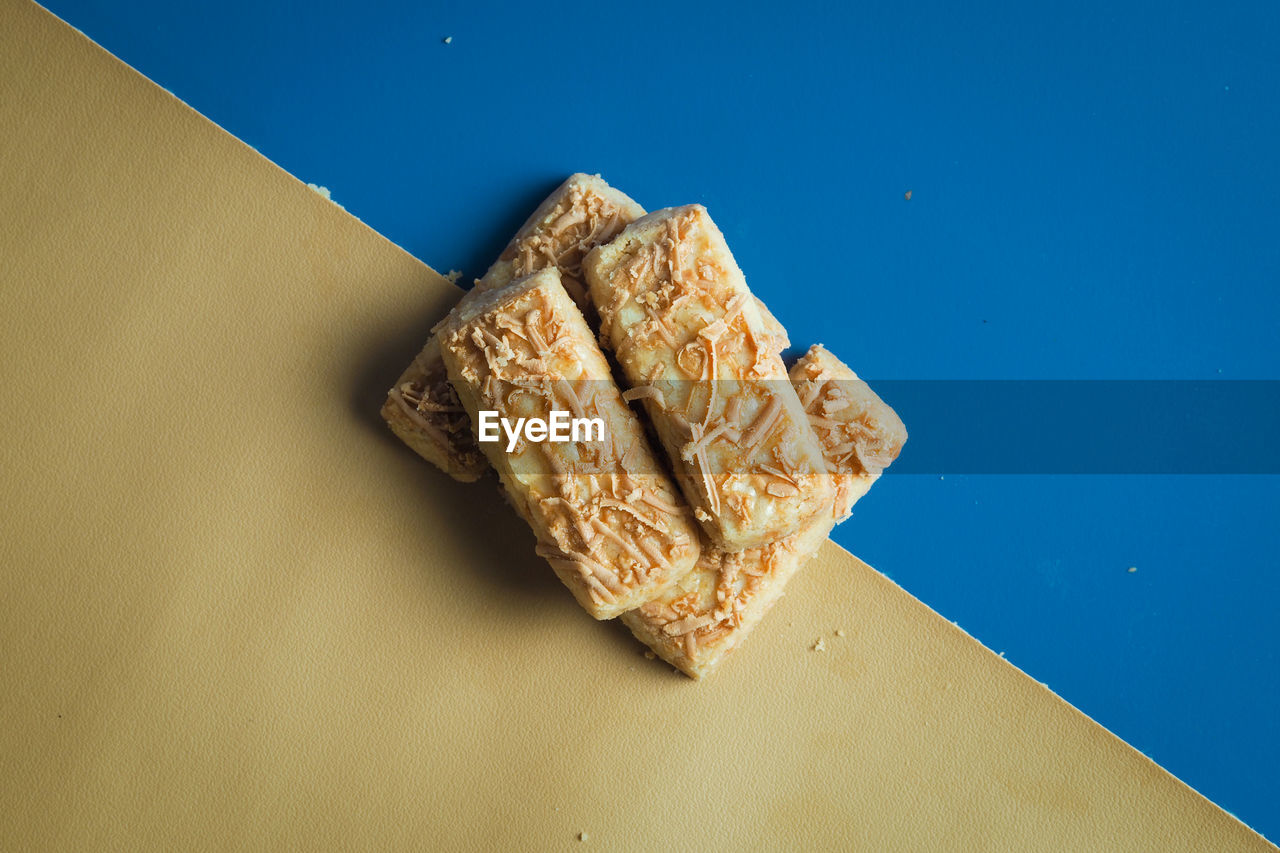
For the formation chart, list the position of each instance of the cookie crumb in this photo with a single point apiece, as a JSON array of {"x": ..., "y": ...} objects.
[
  {"x": 324, "y": 193},
  {"x": 448, "y": 39},
  {"x": 1132, "y": 569},
  {"x": 582, "y": 836},
  {"x": 649, "y": 655},
  {"x": 907, "y": 195},
  {"x": 820, "y": 646},
  {"x": 839, "y": 632},
  {"x": 453, "y": 276}
]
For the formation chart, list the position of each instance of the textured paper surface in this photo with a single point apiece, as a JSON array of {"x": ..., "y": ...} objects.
[{"x": 235, "y": 610}]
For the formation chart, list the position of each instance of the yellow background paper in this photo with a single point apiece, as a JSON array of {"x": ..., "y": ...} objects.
[{"x": 235, "y": 611}]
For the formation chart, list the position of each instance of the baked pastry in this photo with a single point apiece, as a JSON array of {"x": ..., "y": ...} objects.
[
  {"x": 424, "y": 412},
  {"x": 421, "y": 408},
  {"x": 860, "y": 435},
  {"x": 696, "y": 623},
  {"x": 607, "y": 517},
  {"x": 581, "y": 214},
  {"x": 692, "y": 343}
]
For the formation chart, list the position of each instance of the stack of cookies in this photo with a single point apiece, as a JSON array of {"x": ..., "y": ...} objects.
[{"x": 689, "y": 514}]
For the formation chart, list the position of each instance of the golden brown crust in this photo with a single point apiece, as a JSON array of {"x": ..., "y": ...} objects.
[
  {"x": 709, "y": 612},
  {"x": 424, "y": 412},
  {"x": 607, "y": 519},
  {"x": 582, "y": 213},
  {"x": 859, "y": 433},
  {"x": 422, "y": 409},
  {"x": 697, "y": 623},
  {"x": 692, "y": 342}
]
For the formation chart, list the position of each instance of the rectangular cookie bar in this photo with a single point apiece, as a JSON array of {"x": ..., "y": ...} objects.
[
  {"x": 607, "y": 518},
  {"x": 695, "y": 624},
  {"x": 692, "y": 343},
  {"x": 424, "y": 412},
  {"x": 421, "y": 408},
  {"x": 859, "y": 433},
  {"x": 582, "y": 213}
]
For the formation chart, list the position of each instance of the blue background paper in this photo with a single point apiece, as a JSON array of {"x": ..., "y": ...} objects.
[{"x": 1095, "y": 195}]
